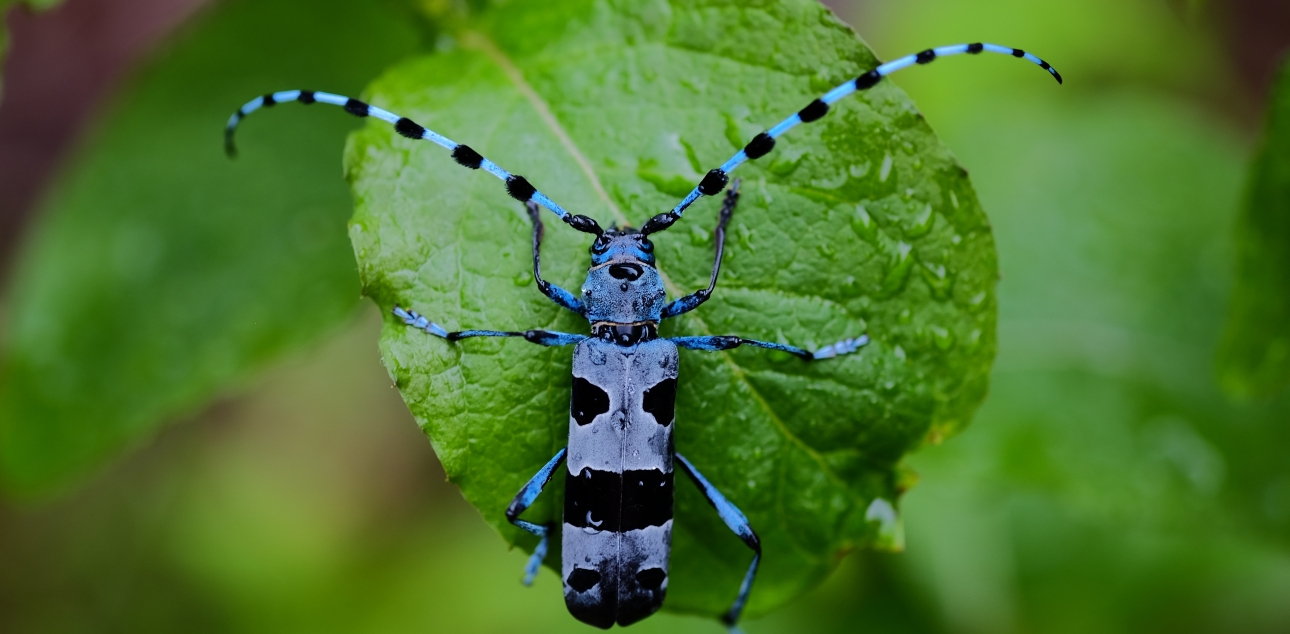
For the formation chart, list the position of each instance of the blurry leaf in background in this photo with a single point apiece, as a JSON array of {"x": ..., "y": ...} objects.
[
  {"x": 862, "y": 221},
  {"x": 4, "y": 32},
  {"x": 160, "y": 271},
  {"x": 1255, "y": 356},
  {"x": 1107, "y": 484}
]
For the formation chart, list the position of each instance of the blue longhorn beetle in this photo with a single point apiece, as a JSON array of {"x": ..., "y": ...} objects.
[{"x": 617, "y": 531}]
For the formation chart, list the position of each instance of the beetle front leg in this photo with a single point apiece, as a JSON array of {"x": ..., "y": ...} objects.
[{"x": 555, "y": 293}]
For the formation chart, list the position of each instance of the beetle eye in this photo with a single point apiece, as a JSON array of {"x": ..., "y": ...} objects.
[
  {"x": 647, "y": 246},
  {"x": 599, "y": 246}
]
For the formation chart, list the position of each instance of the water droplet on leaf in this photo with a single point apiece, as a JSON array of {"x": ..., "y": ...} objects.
[
  {"x": 885, "y": 170},
  {"x": 943, "y": 338},
  {"x": 699, "y": 237},
  {"x": 921, "y": 224},
  {"x": 864, "y": 226},
  {"x": 900, "y": 261},
  {"x": 938, "y": 280}
]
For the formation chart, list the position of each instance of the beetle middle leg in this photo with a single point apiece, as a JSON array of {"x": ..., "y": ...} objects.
[
  {"x": 713, "y": 343},
  {"x": 555, "y": 293},
  {"x": 522, "y": 501}
]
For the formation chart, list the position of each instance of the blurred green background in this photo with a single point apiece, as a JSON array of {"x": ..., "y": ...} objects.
[{"x": 1107, "y": 484}]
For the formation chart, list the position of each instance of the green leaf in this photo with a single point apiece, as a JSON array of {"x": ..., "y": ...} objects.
[
  {"x": 162, "y": 272},
  {"x": 1255, "y": 355},
  {"x": 862, "y": 222}
]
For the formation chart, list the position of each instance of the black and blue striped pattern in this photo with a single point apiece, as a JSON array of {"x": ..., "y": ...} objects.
[
  {"x": 517, "y": 186},
  {"x": 715, "y": 180}
]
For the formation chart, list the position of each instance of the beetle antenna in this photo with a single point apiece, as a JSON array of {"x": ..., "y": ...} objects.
[
  {"x": 517, "y": 186},
  {"x": 715, "y": 180}
]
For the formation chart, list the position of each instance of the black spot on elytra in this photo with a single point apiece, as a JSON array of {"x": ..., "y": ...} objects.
[
  {"x": 651, "y": 578},
  {"x": 615, "y": 502},
  {"x": 588, "y": 401},
  {"x": 660, "y": 401},
  {"x": 646, "y": 499},
  {"x": 583, "y": 579}
]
